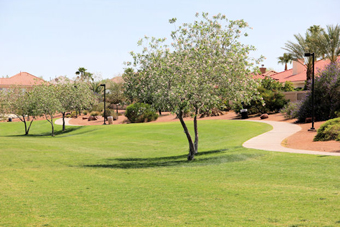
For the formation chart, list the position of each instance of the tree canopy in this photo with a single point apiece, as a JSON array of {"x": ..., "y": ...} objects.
[{"x": 204, "y": 65}]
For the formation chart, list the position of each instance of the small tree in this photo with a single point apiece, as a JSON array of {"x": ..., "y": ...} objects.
[
  {"x": 22, "y": 104},
  {"x": 65, "y": 94},
  {"x": 73, "y": 96},
  {"x": 47, "y": 102},
  {"x": 115, "y": 93},
  {"x": 206, "y": 64},
  {"x": 83, "y": 96}
]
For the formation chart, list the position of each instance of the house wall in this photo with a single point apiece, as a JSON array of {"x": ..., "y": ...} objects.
[{"x": 295, "y": 96}]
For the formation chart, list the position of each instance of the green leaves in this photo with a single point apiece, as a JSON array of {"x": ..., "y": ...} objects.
[
  {"x": 173, "y": 20},
  {"x": 205, "y": 59}
]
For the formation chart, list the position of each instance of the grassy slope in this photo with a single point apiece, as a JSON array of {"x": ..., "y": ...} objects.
[{"x": 137, "y": 175}]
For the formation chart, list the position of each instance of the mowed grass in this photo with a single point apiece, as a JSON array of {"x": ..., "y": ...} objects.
[{"x": 137, "y": 175}]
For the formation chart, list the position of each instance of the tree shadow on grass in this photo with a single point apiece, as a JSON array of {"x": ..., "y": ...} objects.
[
  {"x": 213, "y": 157},
  {"x": 58, "y": 133}
]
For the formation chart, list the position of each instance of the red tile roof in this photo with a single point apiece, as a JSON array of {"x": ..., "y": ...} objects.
[
  {"x": 262, "y": 76},
  {"x": 21, "y": 79},
  {"x": 288, "y": 74}
]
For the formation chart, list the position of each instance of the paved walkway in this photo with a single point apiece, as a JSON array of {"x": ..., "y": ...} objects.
[
  {"x": 60, "y": 122},
  {"x": 271, "y": 141}
]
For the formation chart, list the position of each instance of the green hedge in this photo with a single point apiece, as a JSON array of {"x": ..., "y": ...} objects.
[
  {"x": 330, "y": 130},
  {"x": 140, "y": 112}
]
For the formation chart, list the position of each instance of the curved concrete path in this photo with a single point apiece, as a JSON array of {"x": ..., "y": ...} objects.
[
  {"x": 60, "y": 122},
  {"x": 271, "y": 141}
]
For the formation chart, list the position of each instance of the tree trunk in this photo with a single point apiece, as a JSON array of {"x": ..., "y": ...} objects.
[
  {"x": 196, "y": 130},
  {"x": 63, "y": 114},
  {"x": 24, "y": 120},
  {"x": 26, "y": 132},
  {"x": 286, "y": 67},
  {"x": 308, "y": 77},
  {"x": 52, "y": 125},
  {"x": 192, "y": 151},
  {"x": 51, "y": 122}
]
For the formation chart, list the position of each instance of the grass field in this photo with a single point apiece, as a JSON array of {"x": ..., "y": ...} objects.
[{"x": 137, "y": 175}]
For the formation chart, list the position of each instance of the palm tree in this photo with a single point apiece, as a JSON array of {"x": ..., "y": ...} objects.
[
  {"x": 304, "y": 45},
  {"x": 330, "y": 42},
  {"x": 285, "y": 59},
  {"x": 83, "y": 74},
  {"x": 96, "y": 88}
]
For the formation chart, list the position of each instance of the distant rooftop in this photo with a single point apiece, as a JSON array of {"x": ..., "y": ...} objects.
[{"x": 21, "y": 79}]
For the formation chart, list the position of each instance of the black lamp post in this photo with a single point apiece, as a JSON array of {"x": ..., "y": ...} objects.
[
  {"x": 104, "y": 85},
  {"x": 313, "y": 93}
]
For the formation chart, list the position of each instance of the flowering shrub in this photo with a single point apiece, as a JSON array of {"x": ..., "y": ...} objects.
[
  {"x": 291, "y": 110},
  {"x": 140, "y": 112},
  {"x": 330, "y": 130},
  {"x": 327, "y": 95}
]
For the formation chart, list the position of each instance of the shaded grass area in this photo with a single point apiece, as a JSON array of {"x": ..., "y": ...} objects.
[{"x": 137, "y": 175}]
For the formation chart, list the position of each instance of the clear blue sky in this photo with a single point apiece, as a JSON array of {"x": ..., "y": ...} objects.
[{"x": 50, "y": 38}]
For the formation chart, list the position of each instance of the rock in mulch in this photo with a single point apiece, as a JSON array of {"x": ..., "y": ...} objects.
[{"x": 264, "y": 116}]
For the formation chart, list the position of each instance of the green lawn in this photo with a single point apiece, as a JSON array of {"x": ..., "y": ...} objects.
[{"x": 137, "y": 175}]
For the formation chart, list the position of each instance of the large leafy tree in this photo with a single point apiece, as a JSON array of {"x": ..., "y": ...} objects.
[{"x": 204, "y": 64}]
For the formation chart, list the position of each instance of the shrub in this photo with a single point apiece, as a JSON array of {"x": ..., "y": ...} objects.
[
  {"x": 114, "y": 115},
  {"x": 291, "y": 110},
  {"x": 273, "y": 102},
  {"x": 140, "y": 112},
  {"x": 327, "y": 95},
  {"x": 68, "y": 115},
  {"x": 73, "y": 114},
  {"x": 95, "y": 113},
  {"x": 330, "y": 130},
  {"x": 108, "y": 112},
  {"x": 288, "y": 86},
  {"x": 85, "y": 112},
  {"x": 271, "y": 92},
  {"x": 98, "y": 107}
]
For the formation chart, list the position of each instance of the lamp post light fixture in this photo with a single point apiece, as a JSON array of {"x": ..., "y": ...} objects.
[
  {"x": 313, "y": 93},
  {"x": 104, "y": 85}
]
